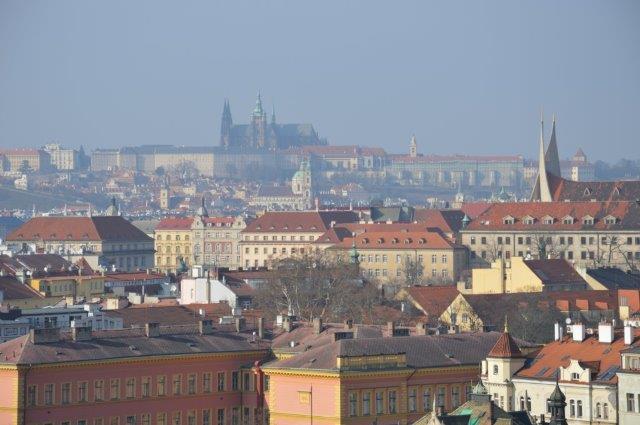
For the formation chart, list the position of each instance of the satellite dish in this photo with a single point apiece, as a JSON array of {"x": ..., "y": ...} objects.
[{"x": 568, "y": 320}]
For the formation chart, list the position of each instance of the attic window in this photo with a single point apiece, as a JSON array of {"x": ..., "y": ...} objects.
[
  {"x": 272, "y": 227},
  {"x": 587, "y": 220},
  {"x": 69, "y": 236},
  {"x": 380, "y": 240},
  {"x": 314, "y": 228},
  {"x": 528, "y": 220},
  {"x": 587, "y": 191},
  {"x": 259, "y": 227},
  {"x": 567, "y": 220},
  {"x": 394, "y": 241},
  {"x": 408, "y": 240},
  {"x": 286, "y": 227},
  {"x": 421, "y": 241},
  {"x": 548, "y": 220},
  {"x": 299, "y": 227},
  {"x": 616, "y": 191},
  {"x": 610, "y": 219},
  {"x": 53, "y": 235},
  {"x": 508, "y": 220},
  {"x": 365, "y": 241}
]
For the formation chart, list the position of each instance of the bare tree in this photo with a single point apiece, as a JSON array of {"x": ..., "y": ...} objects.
[
  {"x": 413, "y": 270},
  {"x": 612, "y": 253}
]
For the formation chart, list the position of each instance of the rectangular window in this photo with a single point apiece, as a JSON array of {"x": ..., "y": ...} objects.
[
  {"x": 177, "y": 418},
  {"x": 221, "y": 385},
  {"x": 426, "y": 399},
  {"x": 31, "y": 395},
  {"x": 206, "y": 417},
  {"x": 221, "y": 417},
  {"x": 206, "y": 382},
  {"x": 145, "y": 419},
  {"x": 161, "y": 419},
  {"x": 146, "y": 386},
  {"x": 441, "y": 392},
  {"x": 455, "y": 396},
  {"x": 161, "y": 385},
  {"x": 131, "y": 388},
  {"x": 434, "y": 258},
  {"x": 246, "y": 382},
  {"x": 48, "y": 394},
  {"x": 353, "y": 403},
  {"x": 235, "y": 380},
  {"x": 630, "y": 403},
  {"x": 191, "y": 417},
  {"x": 98, "y": 390},
  {"x": 379, "y": 403},
  {"x": 191, "y": 384},
  {"x": 82, "y": 392},
  {"x": 114, "y": 389},
  {"x": 411, "y": 400},
  {"x": 392, "y": 401},
  {"x": 177, "y": 384},
  {"x": 366, "y": 403},
  {"x": 65, "y": 393},
  {"x": 483, "y": 240},
  {"x": 130, "y": 420}
]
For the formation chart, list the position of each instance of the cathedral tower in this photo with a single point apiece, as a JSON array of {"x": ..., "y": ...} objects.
[
  {"x": 413, "y": 147},
  {"x": 226, "y": 124},
  {"x": 258, "y": 125}
]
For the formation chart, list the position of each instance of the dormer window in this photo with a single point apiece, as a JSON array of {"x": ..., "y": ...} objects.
[
  {"x": 547, "y": 219},
  {"x": 528, "y": 220},
  {"x": 616, "y": 191},
  {"x": 508, "y": 220},
  {"x": 365, "y": 241},
  {"x": 567, "y": 220},
  {"x": 380, "y": 240},
  {"x": 258, "y": 227},
  {"x": 394, "y": 241},
  {"x": 421, "y": 241},
  {"x": 407, "y": 241},
  {"x": 587, "y": 191},
  {"x": 587, "y": 220},
  {"x": 610, "y": 220}
]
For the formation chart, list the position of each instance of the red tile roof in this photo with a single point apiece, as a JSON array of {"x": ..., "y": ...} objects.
[
  {"x": 555, "y": 271},
  {"x": 175, "y": 223},
  {"x": 621, "y": 190},
  {"x": 299, "y": 221},
  {"x": 505, "y": 348},
  {"x": 397, "y": 240},
  {"x": 113, "y": 228},
  {"x": 432, "y": 300},
  {"x": 627, "y": 215},
  {"x": 13, "y": 289},
  {"x": 602, "y": 357}
]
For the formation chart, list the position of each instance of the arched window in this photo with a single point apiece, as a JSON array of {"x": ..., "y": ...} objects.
[
  {"x": 598, "y": 411},
  {"x": 522, "y": 406},
  {"x": 495, "y": 369},
  {"x": 605, "y": 411},
  {"x": 572, "y": 408},
  {"x": 579, "y": 408}
]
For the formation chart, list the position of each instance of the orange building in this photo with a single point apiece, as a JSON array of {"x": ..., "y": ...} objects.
[
  {"x": 357, "y": 375},
  {"x": 154, "y": 375}
]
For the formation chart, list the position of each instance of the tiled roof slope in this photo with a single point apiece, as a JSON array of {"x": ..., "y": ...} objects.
[
  {"x": 13, "y": 289},
  {"x": 505, "y": 348},
  {"x": 175, "y": 223},
  {"x": 555, "y": 271},
  {"x": 432, "y": 300},
  {"x": 603, "y": 358},
  {"x": 398, "y": 240},
  {"x": 300, "y": 221},
  {"x": 126, "y": 344},
  {"x": 421, "y": 351},
  {"x": 627, "y": 216},
  {"x": 111, "y": 228},
  {"x": 614, "y": 278},
  {"x": 621, "y": 190}
]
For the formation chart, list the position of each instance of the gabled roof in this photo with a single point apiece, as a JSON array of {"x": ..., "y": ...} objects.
[
  {"x": 397, "y": 240},
  {"x": 13, "y": 289},
  {"x": 505, "y": 348},
  {"x": 621, "y": 190},
  {"x": 99, "y": 228},
  {"x": 175, "y": 223},
  {"x": 432, "y": 300},
  {"x": 299, "y": 221},
  {"x": 614, "y": 278},
  {"x": 555, "y": 271}
]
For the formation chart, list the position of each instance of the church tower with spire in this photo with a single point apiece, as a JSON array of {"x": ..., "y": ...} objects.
[
  {"x": 502, "y": 363},
  {"x": 548, "y": 166},
  {"x": 413, "y": 147},
  {"x": 258, "y": 124},
  {"x": 226, "y": 125}
]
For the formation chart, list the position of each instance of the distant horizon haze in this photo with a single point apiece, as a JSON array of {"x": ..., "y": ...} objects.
[{"x": 464, "y": 77}]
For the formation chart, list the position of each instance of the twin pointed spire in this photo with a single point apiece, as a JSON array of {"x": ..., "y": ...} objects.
[{"x": 548, "y": 164}]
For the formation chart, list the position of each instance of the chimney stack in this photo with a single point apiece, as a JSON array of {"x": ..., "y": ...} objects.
[
  {"x": 205, "y": 327},
  {"x": 261, "y": 327},
  {"x": 286, "y": 323},
  {"x": 81, "y": 333},
  {"x": 421, "y": 328},
  {"x": 628, "y": 334},
  {"x": 45, "y": 335},
  {"x": 240, "y": 324},
  {"x": 348, "y": 324},
  {"x": 558, "y": 332},
  {"x": 317, "y": 325},
  {"x": 578, "y": 331},
  {"x": 391, "y": 328},
  {"x": 152, "y": 330},
  {"x": 605, "y": 332}
]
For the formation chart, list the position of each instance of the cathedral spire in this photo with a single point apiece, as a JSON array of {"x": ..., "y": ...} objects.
[
  {"x": 541, "y": 191},
  {"x": 226, "y": 124},
  {"x": 551, "y": 157},
  {"x": 258, "y": 111},
  {"x": 273, "y": 114}
]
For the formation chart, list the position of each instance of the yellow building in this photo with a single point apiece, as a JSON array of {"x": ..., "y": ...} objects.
[
  {"x": 173, "y": 243},
  {"x": 277, "y": 235},
  {"x": 389, "y": 255},
  {"x": 519, "y": 275},
  {"x": 86, "y": 287}
]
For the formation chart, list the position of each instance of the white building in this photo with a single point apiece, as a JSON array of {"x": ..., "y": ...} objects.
[
  {"x": 629, "y": 383},
  {"x": 202, "y": 289}
]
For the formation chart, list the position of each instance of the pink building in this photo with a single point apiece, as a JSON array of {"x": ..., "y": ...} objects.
[{"x": 179, "y": 375}]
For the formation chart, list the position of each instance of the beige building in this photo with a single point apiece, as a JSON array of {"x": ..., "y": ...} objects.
[
  {"x": 277, "y": 235},
  {"x": 104, "y": 241},
  {"x": 16, "y": 159},
  {"x": 173, "y": 243},
  {"x": 589, "y": 234},
  {"x": 62, "y": 159},
  {"x": 404, "y": 255}
]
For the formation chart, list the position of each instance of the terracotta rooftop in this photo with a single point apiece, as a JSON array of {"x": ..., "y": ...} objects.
[
  {"x": 621, "y": 190},
  {"x": 505, "y": 347},
  {"x": 99, "y": 228},
  {"x": 138, "y": 315},
  {"x": 603, "y": 358},
  {"x": 299, "y": 221},
  {"x": 175, "y": 223},
  {"x": 555, "y": 271},
  {"x": 562, "y": 216},
  {"x": 397, "y": 240},
  {"x": 13, "y": 289},
  {"x": 432, "y": 300}
]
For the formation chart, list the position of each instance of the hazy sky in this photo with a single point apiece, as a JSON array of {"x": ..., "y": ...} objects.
[{"x": 465, "y": 77}]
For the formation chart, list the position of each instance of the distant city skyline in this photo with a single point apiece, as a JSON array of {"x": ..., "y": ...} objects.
[{"x": 464, "y": 78}]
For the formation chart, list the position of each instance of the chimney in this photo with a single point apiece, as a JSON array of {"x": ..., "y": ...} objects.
[
  {"x": 240, "y": 324},
  {"x": 605, "y": 332},
  {"x": 81, "y": 333},
  {"x": 317, "y": 325},
  {"x": 628, "y": 335},
  {"x": 391, "y": 328},
  {"x": 578, "y": 332},
  {"x": 348, "y": 324},
  {"x": 205, "y": 327},
  {"x": 45, "y": 335},
  {"x": 421, "y": 328},
  {"x": 152, "y": 330},
  {"x": 286, "y": 323},
  {"x": 261, "y": 327},
  {"x": 558, "y": 332}
]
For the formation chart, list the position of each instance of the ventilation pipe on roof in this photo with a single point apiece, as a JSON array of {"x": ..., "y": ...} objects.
[
  {"x": 152, "y": 330},
  {"x": 628, "y": 334},
  {"x": 558, "y": 332},
  {"x": 348, "y": 324},
  {"x": 605, "y": 332},
  {"x": 261, "y": 327},
  {"x": 391, "y": 328},
  {"x": 421, "y": 328},
  {"x": 578, "y": 332}
]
